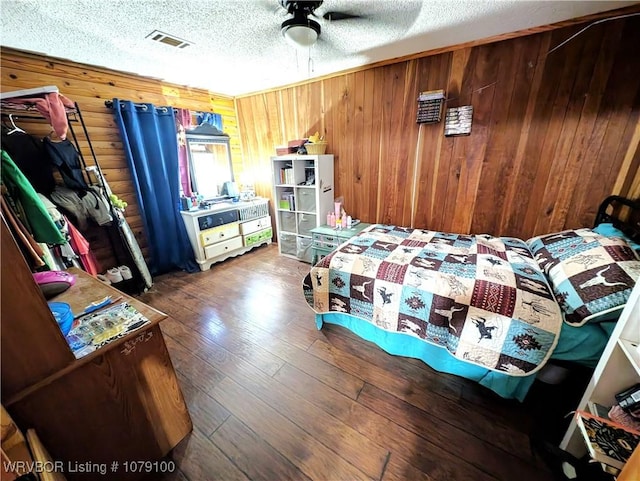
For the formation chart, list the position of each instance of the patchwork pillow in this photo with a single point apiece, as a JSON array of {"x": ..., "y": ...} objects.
[
  {"x": 609, "y": 230},
  {"x": 591, "y": 275}
]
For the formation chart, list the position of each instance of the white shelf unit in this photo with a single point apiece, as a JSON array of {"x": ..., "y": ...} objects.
[
  {"x": 303, "y": 194},
  {"x": 617, "y": 370}
]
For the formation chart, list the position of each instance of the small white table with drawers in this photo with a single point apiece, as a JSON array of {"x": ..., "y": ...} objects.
[
  {"x": 326, "y": 239},
  {"x": 227, "y": 229}
]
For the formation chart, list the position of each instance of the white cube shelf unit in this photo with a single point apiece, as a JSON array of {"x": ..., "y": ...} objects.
[
  {"x": 303, "y": 194},
  {"x": 617, "y": 370}
]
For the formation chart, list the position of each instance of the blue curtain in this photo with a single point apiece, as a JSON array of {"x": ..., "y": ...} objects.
[
  {"x": 151, "y": 147},
  {"x": 210, "y": 118}
]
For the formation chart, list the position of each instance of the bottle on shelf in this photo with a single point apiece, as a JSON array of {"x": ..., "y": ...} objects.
[
  {"x": 329, "y": 218},
  {"x": 332, "y": 220}
]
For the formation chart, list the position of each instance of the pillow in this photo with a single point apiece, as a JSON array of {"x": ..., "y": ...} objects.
[
  {"x": 609, "y": 230},
  {"x": 591, "y": 275}
]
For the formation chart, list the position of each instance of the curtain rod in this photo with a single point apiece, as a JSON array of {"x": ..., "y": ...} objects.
[{"x": 109, "y": 104}]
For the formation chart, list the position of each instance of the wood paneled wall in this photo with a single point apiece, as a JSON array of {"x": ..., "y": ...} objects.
[
  {"x": 90, "y": 87},
  {"x": 554, "y": 132}
]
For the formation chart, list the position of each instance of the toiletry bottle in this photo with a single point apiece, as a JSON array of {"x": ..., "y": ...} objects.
[
  {"x": 329, "y": 218},
  {"x": 344, "y": 220},
  {"x": 332, "y": 222},
  {"x": 349, "y": 222}
]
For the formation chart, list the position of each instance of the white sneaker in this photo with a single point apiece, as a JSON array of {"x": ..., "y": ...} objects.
[
  {"x": 104, "y": 279},
  {"x": 125, "y": 272},
  {"x": 114, "y": 275}
]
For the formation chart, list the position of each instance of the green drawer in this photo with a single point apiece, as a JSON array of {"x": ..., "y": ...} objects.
[
  {"x": 324, "y": 238},
  {"x": 258, "y": 237}
]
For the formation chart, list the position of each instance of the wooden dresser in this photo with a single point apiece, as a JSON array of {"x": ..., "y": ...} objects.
[{"x": 121, "y": 402}]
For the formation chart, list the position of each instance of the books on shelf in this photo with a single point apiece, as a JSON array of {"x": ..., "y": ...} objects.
[
  {"x": 607, "y": 441},
  {"x": 598, "y": 410},
  {"x": 286, "y": 175},
  {"x": 287, "y": 201}
]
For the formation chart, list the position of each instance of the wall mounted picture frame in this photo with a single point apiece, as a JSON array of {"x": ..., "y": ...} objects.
[{"x": 458, "y": 121}]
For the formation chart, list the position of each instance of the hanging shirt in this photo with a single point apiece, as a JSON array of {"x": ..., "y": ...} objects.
[
  {"x": 81, "y": 247},
  {"x": 44, "y": 229},
  {"x": 31, "y": 250},
  {"x": 52, "y": 106},
  {"x": 92, "y": 205},
  {"x": 210, "y": 118},
  {"x": 65, "y": 156},
  {"x": 28, "y": 154},
  {"x": 183, "y": 123}
]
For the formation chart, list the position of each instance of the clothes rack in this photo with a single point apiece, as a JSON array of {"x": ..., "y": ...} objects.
[{"x": 119, "y": 233}]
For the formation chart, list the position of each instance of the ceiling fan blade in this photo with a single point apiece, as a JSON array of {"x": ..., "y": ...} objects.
[{"x": 333, "y": 16}]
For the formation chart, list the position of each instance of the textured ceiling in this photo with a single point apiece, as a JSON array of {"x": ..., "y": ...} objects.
[{"x": 237, "y": 46}]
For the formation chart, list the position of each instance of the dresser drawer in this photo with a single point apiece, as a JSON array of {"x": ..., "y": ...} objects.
[
  {"x": 222, "y": 247},
  {"x": 218, "y": 234},
  {"x": 216, "y": 219},
  {"x": 331, "y": 245},
  {"x": 258, "y": 237},
  {"x": 252, "y": 226},
  {"x": 322, "y": 239}
]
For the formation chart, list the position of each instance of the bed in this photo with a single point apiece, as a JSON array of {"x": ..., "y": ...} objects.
[{"x": 491, "y": 309}]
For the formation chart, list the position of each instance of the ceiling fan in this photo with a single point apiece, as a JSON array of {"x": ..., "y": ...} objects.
[{"x": 302, "y": 31}]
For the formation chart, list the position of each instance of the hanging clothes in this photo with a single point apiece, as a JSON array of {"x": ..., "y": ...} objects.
[
  {"x": 65, "y": 156},
  {"x": 53, "y": 211},
  {"x": 81, "y": 247},
  {"x": 211, "y": 119},
  {"x": 28, "y": 154},
  {"x": 92, "y": 205},
  {"x": 183, "y": 123},
  {"x": 33, "y": 253},
  {"x": 42, "y": 226},
  {"x": 53, "y": 263},
  {"x": 53, "y": 107}
]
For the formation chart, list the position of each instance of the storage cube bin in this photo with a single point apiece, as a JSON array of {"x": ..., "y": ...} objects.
[
  {"x": 288, "y": 244},
  {"x": 304, "y": 249},
  {"x": 306, "y": 199},
  {"x": 306, "y": 222},
  {"x": 287, "y": 221}
]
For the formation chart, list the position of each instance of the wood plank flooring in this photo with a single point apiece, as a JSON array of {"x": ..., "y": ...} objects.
[{"x": 272, "y": 398}]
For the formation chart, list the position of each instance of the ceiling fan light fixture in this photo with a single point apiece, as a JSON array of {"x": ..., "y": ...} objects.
[{"x": 300, "y": 33}]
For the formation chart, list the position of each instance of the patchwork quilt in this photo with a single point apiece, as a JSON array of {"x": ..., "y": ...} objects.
[
  {"x": 592, "y": 276},
  {"x": 483, "y": 298}
]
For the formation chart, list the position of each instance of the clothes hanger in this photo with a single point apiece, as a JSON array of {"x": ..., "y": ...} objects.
[{"x": 15, "y": 127}]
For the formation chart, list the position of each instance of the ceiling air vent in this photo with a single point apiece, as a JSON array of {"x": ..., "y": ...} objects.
[{"x": 167, "y": 39}]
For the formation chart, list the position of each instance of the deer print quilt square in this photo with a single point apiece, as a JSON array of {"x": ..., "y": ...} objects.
[
  {"x": 482, "y": 298},
  {"x": 591, "y": 275}
]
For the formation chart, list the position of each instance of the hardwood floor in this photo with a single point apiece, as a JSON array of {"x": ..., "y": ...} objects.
[{"x": 272, "y": 398}]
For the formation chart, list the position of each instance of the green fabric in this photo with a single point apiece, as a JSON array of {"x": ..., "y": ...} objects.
[{"x": 43, "y": 227}]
